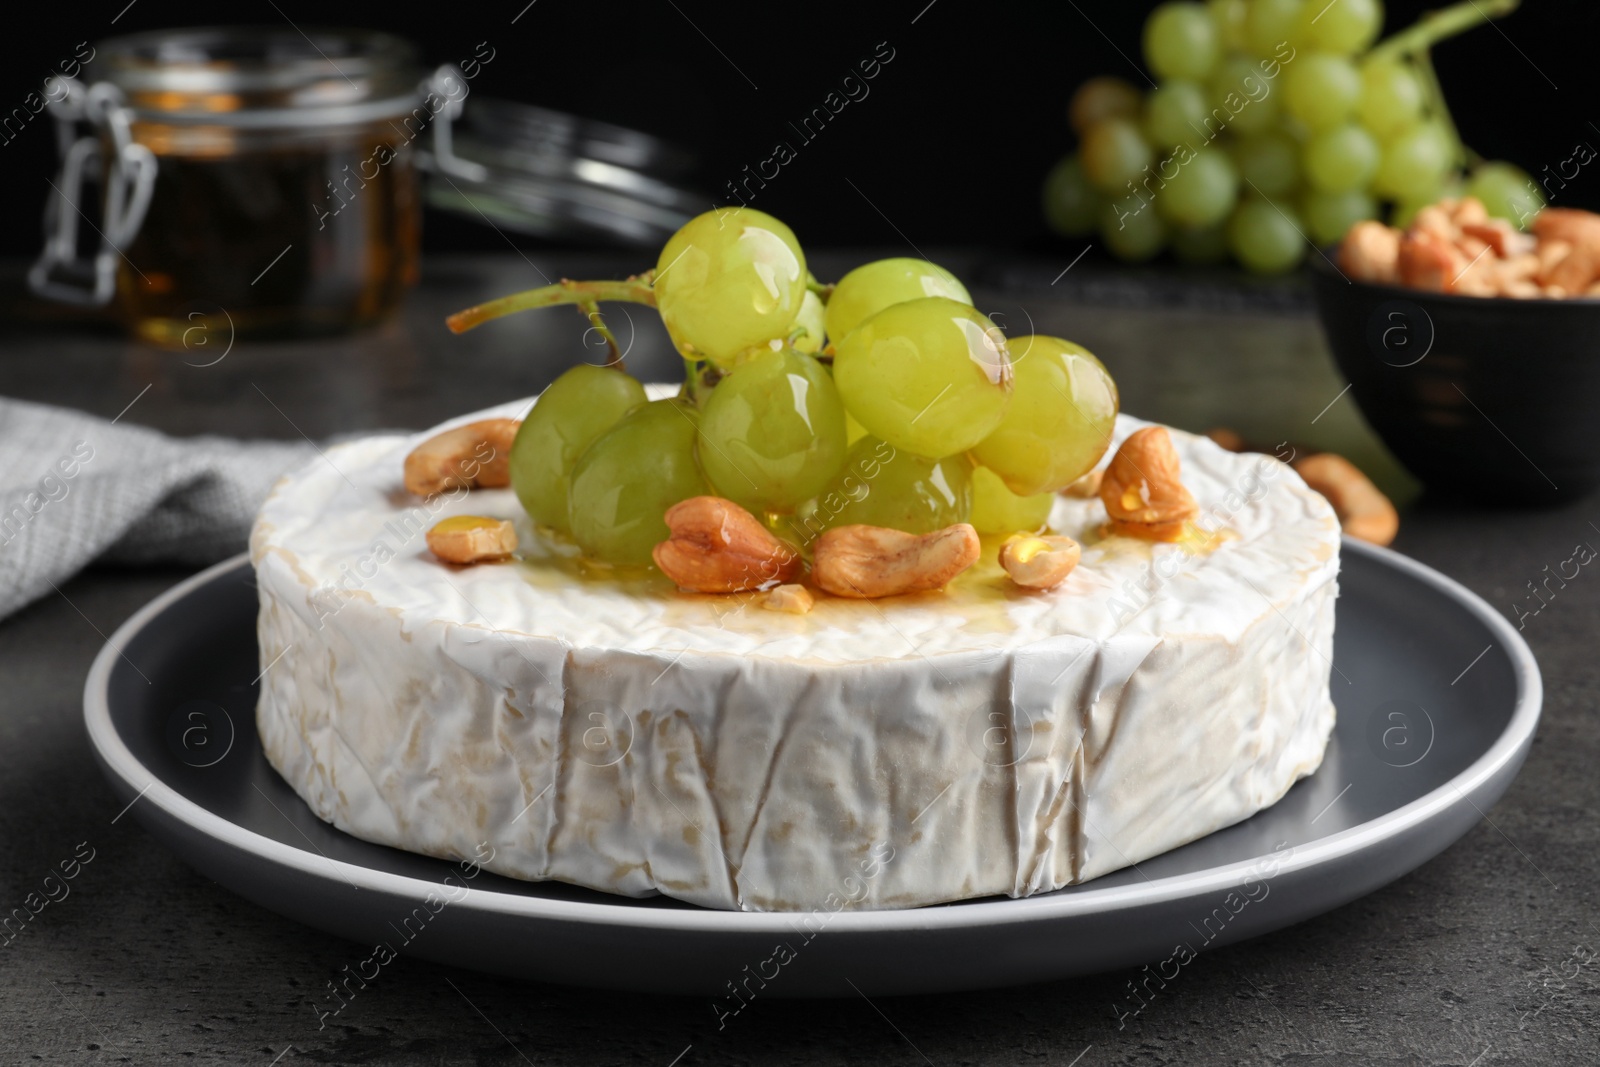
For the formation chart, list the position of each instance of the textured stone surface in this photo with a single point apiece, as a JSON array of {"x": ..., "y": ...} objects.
[{"x": 1477, "y": 958}]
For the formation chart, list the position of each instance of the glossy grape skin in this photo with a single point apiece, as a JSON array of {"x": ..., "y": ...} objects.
[
  {"x": 1321, "y": 90},
  {"x": 1175, "y": 114},
  {"x": 1264, "y": 237},
  {"x": 1202, "y": 192},
  {"x": 1414, "y": 162},
  {"x": 1269, "y": 24},
  {"x": 1346, "y": 27},
  {"x": 1101, "y": 97},
  {"x": 1208, "y": 244},
  {"x": 730, "y": 279},
  {"x": 874, "y": 286},
  {"x": 1391, "y": 99},
  {"x": 1257, "y": 100},
  {"x": 1072, "y": 205},
  {"x": 1506, "y": 191},
  {"x": 1114, "y": 153},
  {"x": 1268, "y": 164},
  {"x": 626, "y": 480},
  {"x": 772, "y": 432},
  {"x": 997, "y": 510},
  {"x": 1329, "y": 216},
  {"x": 930, "y": 376},
  {"x": 1063, "y": 408},
  {"x": 1341, "y": 159},
  {"x": 1132, "y": 230},
  {"x": 579, "y": 406},
  {"x": 813, "y": 319},
  {"x": 881, "y": 485},
  {"x": 1181, "y": 41}
]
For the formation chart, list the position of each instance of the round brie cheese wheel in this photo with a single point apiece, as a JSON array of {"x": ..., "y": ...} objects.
[{"x": 555, "y": 721}]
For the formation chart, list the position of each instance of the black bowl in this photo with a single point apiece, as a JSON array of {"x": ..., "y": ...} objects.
[{"x": 1489, "y": 398}]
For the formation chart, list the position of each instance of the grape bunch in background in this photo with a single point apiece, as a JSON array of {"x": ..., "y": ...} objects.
[
  {"x": 1271, "y": 122},
  {"x": 885, "y": 399}
]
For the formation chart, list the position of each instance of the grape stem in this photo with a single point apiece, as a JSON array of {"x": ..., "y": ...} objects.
[
  {"x": 1435, "y": 26},
  {"x": 823, "y": 291},
  {"x": 1414, "y": 42},
  {"x": 699, "y": 378},
  {"x": 1465, "y": 156},
  {"x": 635, "y": 290},
  {"x": 597, "y": 323}
]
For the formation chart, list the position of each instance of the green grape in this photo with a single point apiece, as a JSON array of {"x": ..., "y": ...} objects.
[
  {"x": 1132, "y": 230},
  {"x": 1391, "y": 99},
  {"x": 1264, "y": 237},
  {"x": 997, "y": 510},
  {"x": 1229, "y": 18},
  {"x": 1406, "y": 208},
  {"x": 1181, "y": 41},
  {"x": 930, "y": 376},
  {"x": 853, "y": 430},
  {"x": 1414, "y": 162},
  {"x": 579, "y": 406},
  {"x": 1175, "y": 114},
  {"x": 1270, "y": 24},
  {"x": 1101, "y": 97},
  {"x": 1062, "y": 412},
  {"x": 1207, "y": 244},
  {"x": 881, "y": 485},
  {"x": 812, "y": 319},
  {"x": 1202, "y": 192},
  {"x": 728, "y": 280},
  {"x": 874, "y": 286},
  {"x": 772, "y": 431},
  {"x": 1342, "y": 159},
  {"x": 1243, "y": 99},
  {"x": 1344, "y": 27},
  {"x": 1321, "y": 90},
  {"x": 1329, "y": 216},
  {"x": 1506, "y": 191},
  {"x": 1071, "y": 205},
  {"x": 1268, "y": 164},
  {"x": 1114, "y": 153},
  {"x": 626, "y": 480}
]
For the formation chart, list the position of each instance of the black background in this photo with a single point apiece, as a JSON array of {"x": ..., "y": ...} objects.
[{"x": 949, "y": 147}]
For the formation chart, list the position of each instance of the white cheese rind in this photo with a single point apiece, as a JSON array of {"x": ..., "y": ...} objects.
[{"x": 629, "y": 738}]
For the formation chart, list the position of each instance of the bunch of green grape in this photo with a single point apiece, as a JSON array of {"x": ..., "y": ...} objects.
[
  {"x": 1271, "y": 125},
  {"x": 885, "y": 399}
]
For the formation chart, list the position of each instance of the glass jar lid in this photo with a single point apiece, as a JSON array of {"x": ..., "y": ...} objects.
[
  {"x": 558, "y": 176},
  {"x": 260, "y": 76}
]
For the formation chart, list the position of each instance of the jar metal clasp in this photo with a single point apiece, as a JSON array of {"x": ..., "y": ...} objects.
[{"x": 60, "y": 273}]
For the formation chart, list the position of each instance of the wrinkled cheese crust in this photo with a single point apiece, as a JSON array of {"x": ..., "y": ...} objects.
[{"x": 614, "y": 733}]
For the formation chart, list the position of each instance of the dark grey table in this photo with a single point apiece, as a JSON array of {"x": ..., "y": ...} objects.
[{"x": 1488, "y": 954}]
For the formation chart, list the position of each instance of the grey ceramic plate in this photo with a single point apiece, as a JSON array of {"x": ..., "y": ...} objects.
[{"x": 1437, "y": 696}]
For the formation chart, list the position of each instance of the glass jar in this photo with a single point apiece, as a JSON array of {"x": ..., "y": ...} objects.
[{"x": 260, "y": 181}]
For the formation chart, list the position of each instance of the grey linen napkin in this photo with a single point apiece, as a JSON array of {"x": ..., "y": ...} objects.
[{"x": 75, "y": 489}]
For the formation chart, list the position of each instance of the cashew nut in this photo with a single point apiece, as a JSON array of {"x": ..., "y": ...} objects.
[
  {"x": 1364, "y": 512},
  {"x": 794, "y": 599},
  {"x": 464, "y": 539},
  {"x": 1142, "y": 491},
  {"x": 1087, "y": 487},
  {"x": 872, "y": 561},
  {"x": 1039, "y": 562},
  {"x": 718, "y": 547},
  {"x": 477, "y": 455}
]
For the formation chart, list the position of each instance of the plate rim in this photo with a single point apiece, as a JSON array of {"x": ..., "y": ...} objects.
[{"x": 120, "y": 761}]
